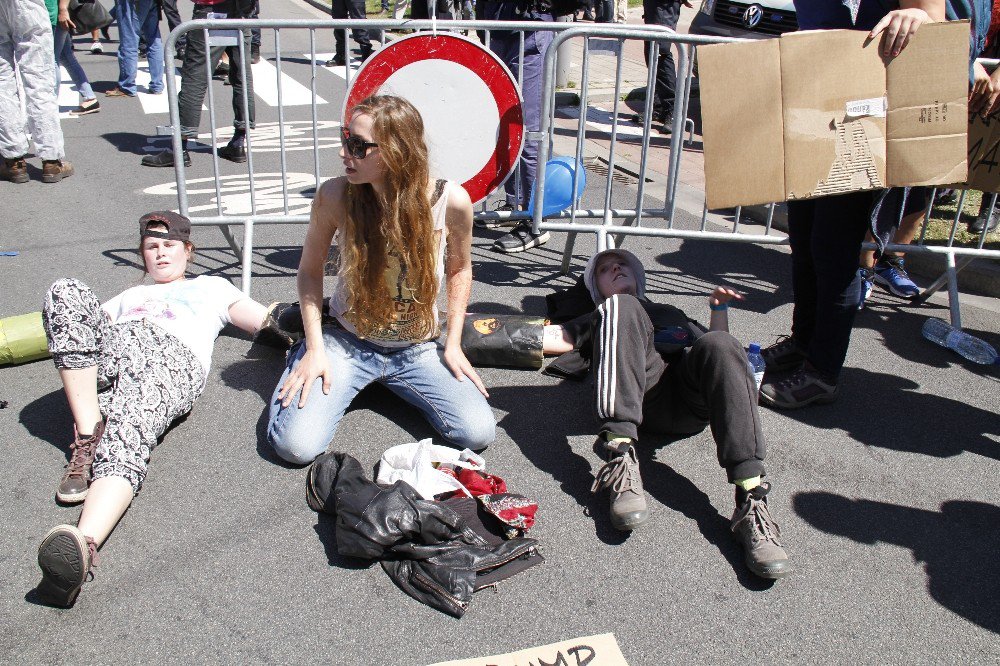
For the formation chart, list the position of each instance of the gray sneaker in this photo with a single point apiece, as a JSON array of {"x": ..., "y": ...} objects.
[
  {"x": 804, "y": 387},
  {"x": 757, "y": 532},
  {"x": 785, "y": 354},
  {"x": 621, "y": 476}
]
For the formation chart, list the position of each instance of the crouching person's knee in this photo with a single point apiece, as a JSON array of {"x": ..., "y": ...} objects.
[
  {"x": 475, "y": 432},
  {"x": 296, "y": 446}
]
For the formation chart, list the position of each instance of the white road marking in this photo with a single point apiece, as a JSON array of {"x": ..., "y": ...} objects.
[{"x": 265, "y": 86}]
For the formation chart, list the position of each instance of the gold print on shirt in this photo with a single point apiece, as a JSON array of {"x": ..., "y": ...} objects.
[{"x": 404, "y": 325}]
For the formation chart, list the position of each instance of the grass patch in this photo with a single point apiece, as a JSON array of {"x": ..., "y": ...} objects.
[{"x": 943, "y": 216}]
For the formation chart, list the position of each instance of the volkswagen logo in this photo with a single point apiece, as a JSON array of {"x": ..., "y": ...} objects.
[{"x": 752, "y": 16}]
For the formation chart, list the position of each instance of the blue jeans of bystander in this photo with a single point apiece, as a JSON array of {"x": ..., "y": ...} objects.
[{"x": 139, "y": 17}]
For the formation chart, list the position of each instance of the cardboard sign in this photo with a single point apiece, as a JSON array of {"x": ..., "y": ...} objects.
[
  {"x": 821, "y": 112},
  {"x": 600, "y": 650},
  {"x": 984, "y": 157}
]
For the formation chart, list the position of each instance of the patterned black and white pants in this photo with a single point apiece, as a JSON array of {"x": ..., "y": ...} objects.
[{"x": 146, "y": 376}]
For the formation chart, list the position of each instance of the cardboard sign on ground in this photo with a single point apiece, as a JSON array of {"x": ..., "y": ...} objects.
[
  {"x": 984, "y": 156},
  {"x": 600, "y": 650},
  {"x": 821, "y": 112}
]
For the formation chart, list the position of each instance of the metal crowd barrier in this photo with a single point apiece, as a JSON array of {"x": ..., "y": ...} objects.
[
  {"x": 620, "y": 223},
  {"x": 610, "y": 225},
  {"x": 225, "y": 222}
]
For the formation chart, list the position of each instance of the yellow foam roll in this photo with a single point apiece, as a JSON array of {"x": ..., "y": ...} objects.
[{"x": 22, "y": 339}]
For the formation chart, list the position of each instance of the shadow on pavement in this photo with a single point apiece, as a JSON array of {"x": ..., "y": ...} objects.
[
  {"x": 958, "y": 545},
  {"x": 916, "y": 417},
  {"x": 127, "y": 142},
  {"x": 678, "y": 493},
  {"x": 548, "y": 449},
  {"x": 697, "y": 267}
]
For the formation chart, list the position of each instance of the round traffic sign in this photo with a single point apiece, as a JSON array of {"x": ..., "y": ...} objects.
[{"x": 469, "y": 101}]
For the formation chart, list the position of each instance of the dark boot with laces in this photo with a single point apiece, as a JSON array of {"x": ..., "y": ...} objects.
[
  {"x": 76, "y": 481},
  {"x": 620, "y": 475},
  {"x": 759, "y": 535},
  {"x": 66, "y": 558}
]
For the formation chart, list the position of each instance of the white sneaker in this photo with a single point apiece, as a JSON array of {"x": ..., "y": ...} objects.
[{"x": 96, "y": 47}]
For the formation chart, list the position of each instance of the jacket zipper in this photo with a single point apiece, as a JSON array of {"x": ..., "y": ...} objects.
[
  {"x": 531, "y": 550},
  {"x": 440, "y": 591}
]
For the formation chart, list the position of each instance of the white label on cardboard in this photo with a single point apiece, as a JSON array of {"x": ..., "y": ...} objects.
[{"x": 874, "y": 107}]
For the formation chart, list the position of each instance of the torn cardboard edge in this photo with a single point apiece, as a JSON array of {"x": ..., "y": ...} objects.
[
  {"x": 598, "y": 650},
  {"x": 781, "y": 121}
]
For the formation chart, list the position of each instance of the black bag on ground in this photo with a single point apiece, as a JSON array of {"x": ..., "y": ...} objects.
[{"x": 88, "y": 15}]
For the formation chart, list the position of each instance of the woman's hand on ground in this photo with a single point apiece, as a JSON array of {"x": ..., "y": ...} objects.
[
  {"x": 455, "y": 360},
  {"x": 303, "y": 376},
  {"x": 722, "y": 295},
  {"x": 899, "y": 26}
]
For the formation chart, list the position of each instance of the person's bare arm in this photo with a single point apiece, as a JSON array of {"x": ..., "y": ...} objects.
[
  {"x": 458, "y": 282},
  {"x": 327, "y": 209},
  {"x": 556, "y": 340},
  {"x": 248, "y": 315},
  {"x": 718, "y": 301},
  {"x": 65, "y": 22}
]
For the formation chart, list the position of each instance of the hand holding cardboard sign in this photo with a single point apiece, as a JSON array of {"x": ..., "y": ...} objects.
[
  {"x": 899, "y": 26},
  {"x": 983, "y": 92}
]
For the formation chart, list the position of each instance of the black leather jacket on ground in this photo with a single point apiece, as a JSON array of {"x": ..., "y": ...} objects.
[{"x": 428, "y": 548}]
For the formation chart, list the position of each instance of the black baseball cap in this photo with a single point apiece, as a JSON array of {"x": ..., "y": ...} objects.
[{"x": 178, "y": 226}]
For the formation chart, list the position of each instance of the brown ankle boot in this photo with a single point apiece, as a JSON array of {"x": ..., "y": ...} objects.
[
  {"x": 55, "y": 170},
  {"x": 15, "y": 170},
  {"x": 76, "y": 481}
]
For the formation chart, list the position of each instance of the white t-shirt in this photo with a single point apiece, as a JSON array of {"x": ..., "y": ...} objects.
[{"x": 193, "y": 311}]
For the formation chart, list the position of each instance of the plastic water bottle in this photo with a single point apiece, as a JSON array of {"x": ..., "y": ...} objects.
[
  {"x": 756, "y": 362},
  {"x": 946, "y": 335}
]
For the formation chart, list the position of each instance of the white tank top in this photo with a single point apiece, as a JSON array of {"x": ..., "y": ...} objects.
[{"x": 401, "y": 331}]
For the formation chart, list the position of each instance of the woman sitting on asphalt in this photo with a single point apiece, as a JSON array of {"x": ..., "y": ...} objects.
[
  {"x": 140, "y": 360},
  {"x": 401, "y": 237}
]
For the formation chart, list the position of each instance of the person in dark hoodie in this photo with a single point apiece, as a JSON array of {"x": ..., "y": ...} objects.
[{"x": 656, "y": 368}]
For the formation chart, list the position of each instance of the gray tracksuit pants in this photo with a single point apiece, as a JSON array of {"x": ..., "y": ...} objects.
[
  {"x": 26, "y": 49},
  {"x": 706, "y": 384}
]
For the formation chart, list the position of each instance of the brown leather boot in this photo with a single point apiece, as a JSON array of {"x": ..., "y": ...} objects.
[
  {"x": 14, "y": 169},
  {"x": 76, "y": 481},
  {"x": 55, "y": 170}
]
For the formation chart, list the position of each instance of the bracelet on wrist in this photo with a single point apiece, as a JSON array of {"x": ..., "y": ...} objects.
[{"x": 721, "y": 307}]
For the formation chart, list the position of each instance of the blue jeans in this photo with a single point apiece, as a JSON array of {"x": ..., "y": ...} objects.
[
  {"x": 506, "y": 45},
  {"x": 417, "y": 374},
  {"x": 137, "y": 17},
  {"x": 63, "y": 48}
]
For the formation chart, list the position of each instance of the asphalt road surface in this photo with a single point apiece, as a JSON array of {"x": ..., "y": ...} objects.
[{"x": 888, "y": 500}]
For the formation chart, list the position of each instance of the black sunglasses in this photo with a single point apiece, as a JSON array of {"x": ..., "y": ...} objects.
[{"x": 355, "y": 146}]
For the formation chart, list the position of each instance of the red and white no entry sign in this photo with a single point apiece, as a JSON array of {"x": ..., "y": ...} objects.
[{"x": 470, "y": 103}]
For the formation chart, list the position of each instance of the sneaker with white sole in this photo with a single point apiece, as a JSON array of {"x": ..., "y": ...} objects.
[
  {"x": 97, "y": 47},
  {"x": 758, "y": 534},
  {"x": 620, "y": 476},
  {"x": 891, "y": 274},
  {"x": 520, "y": 239},
  {"x": 76, "y": 480},
  {"x": 66, "y": 558}
]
